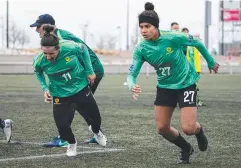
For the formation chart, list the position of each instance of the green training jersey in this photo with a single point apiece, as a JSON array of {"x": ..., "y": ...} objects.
[
  {"x": 167, "y": 57},
  {"x": 66, "y": 74},
  {"x": 97, "y": 65},
  {"x": 190, "y": 55}
]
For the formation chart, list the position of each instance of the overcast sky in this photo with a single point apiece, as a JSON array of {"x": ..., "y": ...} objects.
[{"x": 103, "y": 16}]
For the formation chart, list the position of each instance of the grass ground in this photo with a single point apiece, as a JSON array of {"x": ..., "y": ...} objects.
[{"x": 128, "y": 124}]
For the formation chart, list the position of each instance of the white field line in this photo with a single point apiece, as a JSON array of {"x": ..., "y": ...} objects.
[
  {"x": 40, "y": 144},
  {"x": 57, "y": 155}
]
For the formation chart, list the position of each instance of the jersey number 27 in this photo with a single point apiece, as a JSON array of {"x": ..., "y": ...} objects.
[{"x": 165, "y": 71}]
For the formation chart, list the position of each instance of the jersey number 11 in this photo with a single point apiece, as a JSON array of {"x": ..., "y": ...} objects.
[{"x": 67, "y": 76}]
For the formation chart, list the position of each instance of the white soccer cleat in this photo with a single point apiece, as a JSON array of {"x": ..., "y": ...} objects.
[
  {"x": 100, "y": 138},
  {"x": 72, "y": 149},
  {"x": 8, "y": 129},
  {"x": 90, "y": 129}
]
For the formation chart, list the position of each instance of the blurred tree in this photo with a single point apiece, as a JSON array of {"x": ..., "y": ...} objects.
[
  {"x": 14, "y": 34},
  {"x": 23, "y": 38},
  {"x": 111, "y": 42},
  {"x": 101, "y": 43}
]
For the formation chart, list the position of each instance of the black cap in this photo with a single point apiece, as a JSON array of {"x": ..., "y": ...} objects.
[{"x": 43, "y": 19}]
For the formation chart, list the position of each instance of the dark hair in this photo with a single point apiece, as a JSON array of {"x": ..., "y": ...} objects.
[
  {"x": 185, "y": 29},
  {"x": 174, "y": 23},
  {"x": 149, "y": 15},
  {"x": 49, "y": 38}
]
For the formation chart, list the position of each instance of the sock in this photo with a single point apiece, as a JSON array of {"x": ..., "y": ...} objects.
[
  {"x": 72, "y": 141},
  {"x": 181, "y": 143},
  {"x": 2, "y": 124},
  {"x": 200, "y": 133}
]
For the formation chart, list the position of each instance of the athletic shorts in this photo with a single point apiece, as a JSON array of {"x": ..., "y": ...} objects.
[{"x": 186, "y": 97}]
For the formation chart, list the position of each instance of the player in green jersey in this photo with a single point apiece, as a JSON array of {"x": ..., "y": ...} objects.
[
  {"x": 97, "y": 65},
  {"x": 176, "y": 79},
  {"x": 6, "y": 126},
  {"x": 68, "y": 85},
  {"x": 193, "y": 57}
]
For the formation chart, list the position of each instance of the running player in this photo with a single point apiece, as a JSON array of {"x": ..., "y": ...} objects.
[
  {"x": 176, "y": 79},
  {"x": 96, "y": 64},
  {"x": 68, "y": 85}
]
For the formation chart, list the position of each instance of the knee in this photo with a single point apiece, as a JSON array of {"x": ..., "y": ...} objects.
[
  {"x": 163, "y": 128},
  {"x": 189, "y": 129}
]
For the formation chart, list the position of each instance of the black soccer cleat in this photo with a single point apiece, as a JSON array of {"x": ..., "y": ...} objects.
[
  {"x": 185, "y": 156},
  {"x": 202, "y": 141}
]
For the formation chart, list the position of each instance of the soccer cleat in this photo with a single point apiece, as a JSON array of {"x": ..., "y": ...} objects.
[
  {"x": 185, "y": 156},
  {"x": 200, "y": 103},
  {"x": 56, "y": 142},
  {"x": 90, "y": 129},
  {"x": 202, "y": 141},
  {"x": 72, "y": 149},
  {"x": 91, "y": 140},
  {"x": 7, "y": 129},
  {"x": 100, "y": 138}
]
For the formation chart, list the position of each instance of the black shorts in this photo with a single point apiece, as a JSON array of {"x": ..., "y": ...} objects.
[
  {"x": 185, "y": 97},
  {"x": 95, "y": 85}
]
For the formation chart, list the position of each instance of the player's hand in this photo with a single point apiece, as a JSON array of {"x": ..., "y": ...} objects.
[
  {"x": 47, "y": 96},
  {"x": 210, "y": 71},
  {"x": 216, "y": 67},
  {"x": 136, "y": 90},
  {"x": 91, "y": 79}
]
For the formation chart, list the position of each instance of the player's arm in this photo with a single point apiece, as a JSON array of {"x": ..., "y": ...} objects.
[
  {"x": 134, "y": 70},
  {"x": 189, "y": 40},
  {"x": 74, "y": 38},
  {"x": 40, "y": 76},
  {"x": 84, "y": 57}
]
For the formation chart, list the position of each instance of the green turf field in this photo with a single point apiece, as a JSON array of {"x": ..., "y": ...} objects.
[{"x": 128, "y": 124}]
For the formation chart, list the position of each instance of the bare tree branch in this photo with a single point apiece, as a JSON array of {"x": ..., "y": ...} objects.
[
  {"x": 23, "y": 38},
  {"x": 111, "y": 42},
  {"x": 14, "y": 34},
  {"x": 101, "y": 43}
]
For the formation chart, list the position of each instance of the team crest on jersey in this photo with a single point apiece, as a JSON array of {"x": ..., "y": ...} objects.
[
  {"x": 67, "y": 59},
  {"x": 169, "y": 50},
  {"x": 56, "y": 101}
]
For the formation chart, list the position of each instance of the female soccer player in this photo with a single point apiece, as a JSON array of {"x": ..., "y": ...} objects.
[
  {"x": 96, "y": 64},
  {"x": 176, "y": 79},
  {"x": 68, "y": 85},
  {"x": 6, "y": 126}
]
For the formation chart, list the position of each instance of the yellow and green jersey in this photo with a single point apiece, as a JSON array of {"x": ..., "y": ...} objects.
[
  {"x": 66, "y": 74},
  {"x": 194, "y": 58},
  {"x": 97, "y": 65},
  {"x": 167, "y": 57}
]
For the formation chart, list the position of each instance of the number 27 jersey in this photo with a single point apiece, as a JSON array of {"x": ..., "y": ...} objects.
[{"x": 166, "y": 55}]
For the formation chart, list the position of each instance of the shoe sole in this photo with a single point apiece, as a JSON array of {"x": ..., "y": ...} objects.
[
  {"x": 184, "y": 161},
  {"x": 203, "y": 149}
]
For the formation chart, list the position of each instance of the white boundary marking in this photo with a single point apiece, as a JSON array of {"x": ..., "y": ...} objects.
[
  {"x": 40, "y": 144},
  {"x": 58, "y": 155}
]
